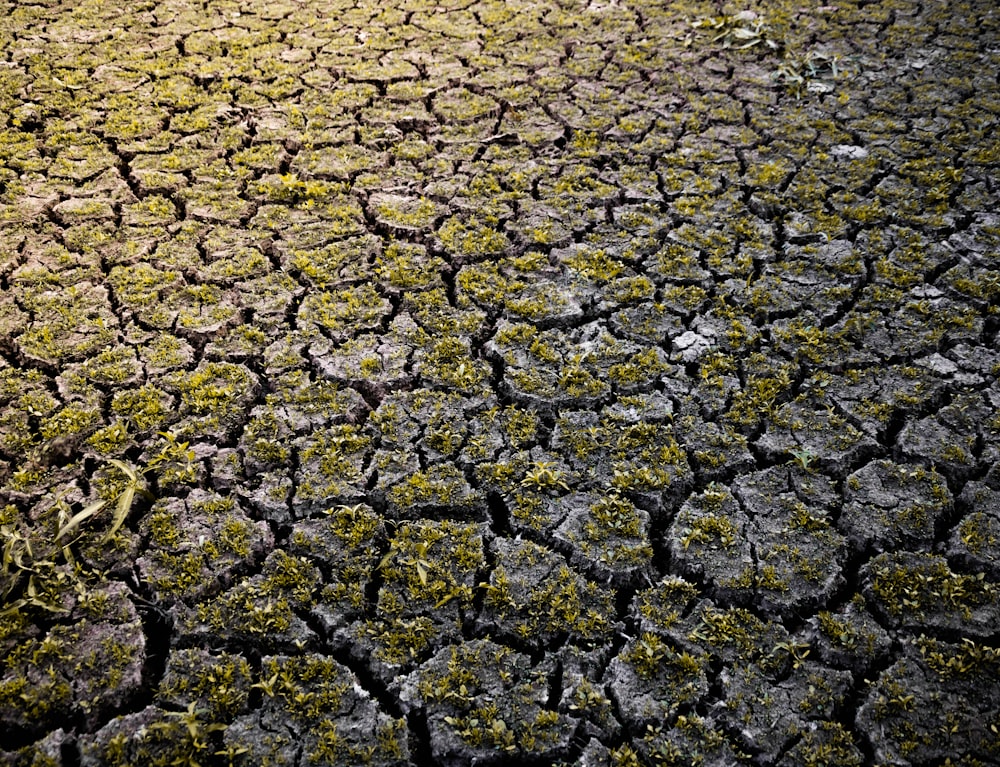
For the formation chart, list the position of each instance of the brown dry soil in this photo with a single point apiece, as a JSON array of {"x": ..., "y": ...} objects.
[{"x": 499, "y": 383}]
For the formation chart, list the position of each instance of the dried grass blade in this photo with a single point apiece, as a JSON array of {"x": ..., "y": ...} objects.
[{"x": 79, "y": 518}]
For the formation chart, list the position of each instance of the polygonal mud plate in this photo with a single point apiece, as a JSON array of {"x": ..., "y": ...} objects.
[
  {"x": 799, "y": 554},
  {"x": 718, "y": 451},
  {"x": 641, "y": 460},
  {"x": 733, "y": 635},
  {"x": 195, "y": 312},
  {"x": 163, "y": 352},
  {"x": 534, "y": 599},
  {"x": 315, "y": 711},
  {"x": 69, "y": 324},
  {"x": 892, "y": 506},
  {"x": 440, "y": 491},
  {"x": 306, "y": 404},
  {"x": 272, "y": 496},
  {"x": 708, "y": 541},
  {"x": 150, "y": 736},
  {"x": 342, "y": 314},
  {"x": 661, "y": 607},
  {"x": 828, "y": 738},
  {"x": 949, "y": 440},
  {"x": 815, "y": 437},
  {"x": 264, "y": 441},
  {"x": 606, "y": 534},
  {"x": 937, "y": 701},
  {"x": 219, "y": 684},
  {"x": 271, "y": 296},
  {"x": 485, "y": 703},
  {"x": 447, "y": 362},
  {"x": 872, "y": 395},
  {"x": 263, "y": 611},
  {"x": 583, "y": 695},
  {"x": 47, "y": 751},
  {"x": 975, "y": 540},
  {"x": 429, "y": 577},
  {"x": 550, "y": 370},
  {"x": 545, "y": 304},
  {"x": 919, "y": 324},
  {"x": 12, "y": 319},
  {"x": 769, "y": 709},
  {"x": 690, "y": 738},
  {"x": 322, "y": 264},
  {"x": 214, "y": 397},
  {"x": 334, "y": 467},
  {"x": 345, "y": 547},
  {"x": 920, "y": 591},
  {"x": 377, "y": 361},
  {"x": 401, "y": 215},
  {"x": 650, "y": 407},
  {"x": 849, "y": 638},
  {"x": 198, "y": 544},
  {"x": 86, "y": 669},
  {"x": 651, "y": 681}
]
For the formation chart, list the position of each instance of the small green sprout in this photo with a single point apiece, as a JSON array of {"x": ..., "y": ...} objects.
[
  {"x": 543, "y": 477},
  {"x": 797, "y": 651},
  {"x": 418, "y": 561},
  {"x": 135, "y": 485},
  {"x": 803, "y": 456},
  {"x": 197, "y": 734}
]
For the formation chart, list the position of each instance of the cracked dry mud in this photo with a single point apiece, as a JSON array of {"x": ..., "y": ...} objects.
[{"x": 499, "y": 383}]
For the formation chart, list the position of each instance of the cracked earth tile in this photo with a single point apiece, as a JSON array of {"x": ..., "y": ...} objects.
[
  {"x": 83, "y": 669},
  {"x": 263, "y": 611},
  {"x": 651, "y": 681},
  {"x": 849, "y": 638},
  {"x": 200, "y": 544},
  {"x": 218, "y": 684},
  {"x": 892, "y": 506},
  {"x": 481, "y": 698},
  {"x": 975, "y": 540},
  {"x": 429, "y": 564},
  {"x": 315, "y": 711},
  {"x": 534, "y": 599},
  {"x": 921, "y": 591},
  {"x": 951, "y": 439},
  {"x": 708, "y": 540},
  {"x": 67, "y": 325},
  {"x": 822, "y": 437},
  {"x": 333, "y": 468},
  {"x": 607, "y": 535},
  {"x": 938, "y": 700},
  {"x": 770, "y": 710},
  {"x": 798, "y": 553}
]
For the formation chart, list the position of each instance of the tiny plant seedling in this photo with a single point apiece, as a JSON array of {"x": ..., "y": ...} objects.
[{"x": 123, "y": 504}]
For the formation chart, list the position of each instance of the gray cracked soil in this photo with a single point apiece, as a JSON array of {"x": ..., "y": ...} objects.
[{"x": 499, "y": 383}]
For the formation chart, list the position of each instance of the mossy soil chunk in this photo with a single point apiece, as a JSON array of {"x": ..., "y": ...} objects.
[{"x": 485, "y": 703}]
